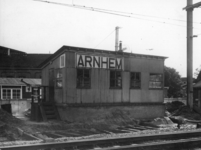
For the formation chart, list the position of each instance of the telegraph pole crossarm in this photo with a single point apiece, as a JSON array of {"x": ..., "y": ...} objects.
[{"x": 196, "y": 5}]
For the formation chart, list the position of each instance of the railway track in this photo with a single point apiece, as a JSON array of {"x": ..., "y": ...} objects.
[{"x": 177, "y": 140}]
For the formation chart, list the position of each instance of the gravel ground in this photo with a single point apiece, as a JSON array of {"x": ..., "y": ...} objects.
[{"x": 10, "y": 135}]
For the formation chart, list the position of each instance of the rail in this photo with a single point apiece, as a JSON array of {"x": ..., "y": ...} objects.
[{"x": 169, "y": 140}]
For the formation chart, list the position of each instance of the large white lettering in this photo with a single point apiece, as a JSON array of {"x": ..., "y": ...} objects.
[{"x": 99, "y": 62}]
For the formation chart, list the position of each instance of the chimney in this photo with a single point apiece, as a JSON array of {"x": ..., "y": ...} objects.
[{"x": 116, "y": 38}]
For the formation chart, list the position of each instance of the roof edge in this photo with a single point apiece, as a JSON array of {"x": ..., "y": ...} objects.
[{"x": 65, "y": 47}]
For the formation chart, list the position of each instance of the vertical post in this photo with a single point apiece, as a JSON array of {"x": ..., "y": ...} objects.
[
  {"x": 117, "y": 38},
  {"x": 189, "y": 54},
  {"x": 199, "y": 98},
  {"x": 120, "y": 46},
  {"x": 44, "y": 93}
]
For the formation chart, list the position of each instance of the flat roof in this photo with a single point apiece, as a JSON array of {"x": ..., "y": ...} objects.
[{"x": 97, "y": 51}]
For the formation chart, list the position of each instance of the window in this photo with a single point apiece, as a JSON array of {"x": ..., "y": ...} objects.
[
  {"x": 8, "y": 93},
  {"x": 135, "y": 80},
  {"x": 115, "y": 79},
  {"x": 16, "y": 94},
  {"x": 155, "y": 81},
  {"x": 59, "y": 76},
  {"x": 62, "y": 61},
  {"x": 83, "y": 78}
]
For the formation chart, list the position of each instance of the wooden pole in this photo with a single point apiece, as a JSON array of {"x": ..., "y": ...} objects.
[{"x": 190, "y": 54}]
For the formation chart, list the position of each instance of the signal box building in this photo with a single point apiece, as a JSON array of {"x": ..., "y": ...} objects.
[{"x": 85, "y": 83}]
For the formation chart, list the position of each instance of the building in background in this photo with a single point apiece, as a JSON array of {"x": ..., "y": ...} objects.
[
  {"x": 18, "y": 64},
  {"x": 16, "y": 93},
  {"x": 14, "y": 66}
]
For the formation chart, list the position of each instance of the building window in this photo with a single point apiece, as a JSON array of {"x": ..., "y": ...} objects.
[
  {"x": 8, "y": 93},
  {"x": 59, "y": 76},
  {"x": 83, "y": 78},
  {"x": 155, "y": 81},
  {"x": 135, "y": 80},
  {"x": 115, "y": 79},
  {"x": 16, "y": 94},
  {"x": 62, "y": 61}
]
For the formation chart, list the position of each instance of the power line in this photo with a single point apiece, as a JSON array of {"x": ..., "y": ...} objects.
[
  {"x": 122, "y": 12},
  {"x": 111, "y": 12},
  {"x": 104, "y": 39}
]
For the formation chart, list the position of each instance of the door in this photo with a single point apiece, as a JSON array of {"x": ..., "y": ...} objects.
[{"x": 51, "y": 84}]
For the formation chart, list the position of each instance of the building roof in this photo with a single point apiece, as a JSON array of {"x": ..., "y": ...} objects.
[
  {"x": 89, "y": 50},
  {"x": 18, "y": 59},
  {"x": 19, "y": 82},
  {"x": 6, "y": 51},
  {"x": 197, "y": 85}
]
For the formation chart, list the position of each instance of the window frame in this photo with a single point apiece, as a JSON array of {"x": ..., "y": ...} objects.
[
  {"x": 78, "y": 85},
  {"x": 135, "y": 73},
  {"x": 16, "y": 94},
  {"x": 62, "y": 57},
  {"x": 115, "y": 80},
  {"x": 11, "y": 93},
  {"x": 160, "y": 81}
]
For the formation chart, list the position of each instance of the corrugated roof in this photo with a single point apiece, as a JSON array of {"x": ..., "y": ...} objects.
[
  {"x": 197, "y": 85},
  {"x": 18, "y": 82},
  {"x": 32, "y": 81}
]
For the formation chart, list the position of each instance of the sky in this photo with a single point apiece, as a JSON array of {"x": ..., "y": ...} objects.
[{"x": 153, "y": 27}]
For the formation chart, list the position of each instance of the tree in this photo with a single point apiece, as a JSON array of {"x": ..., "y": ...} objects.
[
  {"x": 197, "y": 74},
  {"x": 173, "y": 81}
]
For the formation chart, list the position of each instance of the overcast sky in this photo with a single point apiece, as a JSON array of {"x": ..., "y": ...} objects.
[{"x": 157, "y": 28}]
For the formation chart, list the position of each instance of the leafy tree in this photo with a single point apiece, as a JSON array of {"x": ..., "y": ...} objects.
[
  {"x": 197, "y": 74},
  {"x": 173, "y": 81}
]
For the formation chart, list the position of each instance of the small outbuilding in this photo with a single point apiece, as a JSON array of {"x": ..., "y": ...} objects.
[
  {"x": 16, "y": 93},
  {"x": 88, "y": 83}
]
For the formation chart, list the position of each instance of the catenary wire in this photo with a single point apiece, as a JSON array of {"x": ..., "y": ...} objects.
[
  {"x": 112, "y": 13},
  {"x": 104, "y": 39},
  {"x": 122, "y": 12}
]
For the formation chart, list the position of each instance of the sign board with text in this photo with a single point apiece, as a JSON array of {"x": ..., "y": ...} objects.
[{"x": 88, "y": 61}]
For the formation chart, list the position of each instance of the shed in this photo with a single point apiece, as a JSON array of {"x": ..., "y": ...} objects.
[
  {"x": 91, "y": 81},
  {"x": 17, "y": 93}
]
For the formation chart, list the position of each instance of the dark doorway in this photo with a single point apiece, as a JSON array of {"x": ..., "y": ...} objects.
[{"x": 51, "y": 84}]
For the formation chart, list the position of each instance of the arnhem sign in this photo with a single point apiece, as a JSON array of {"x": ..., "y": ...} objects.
[{"x": 88, "y": 61}]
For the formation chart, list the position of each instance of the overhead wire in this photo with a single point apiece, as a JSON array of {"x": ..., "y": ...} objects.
[
  {"x": 107, "y": 12},
  {"x": 104, "y": 39},
  {"x": 122, "y": 12},
  {"x": 119, "y": 13}
]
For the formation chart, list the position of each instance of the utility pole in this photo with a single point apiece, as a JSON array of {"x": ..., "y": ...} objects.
[
  {"x": 189, "y": 8},
  {"x": 190, "y": 54},
  {"x": 117, "y": 38}
]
